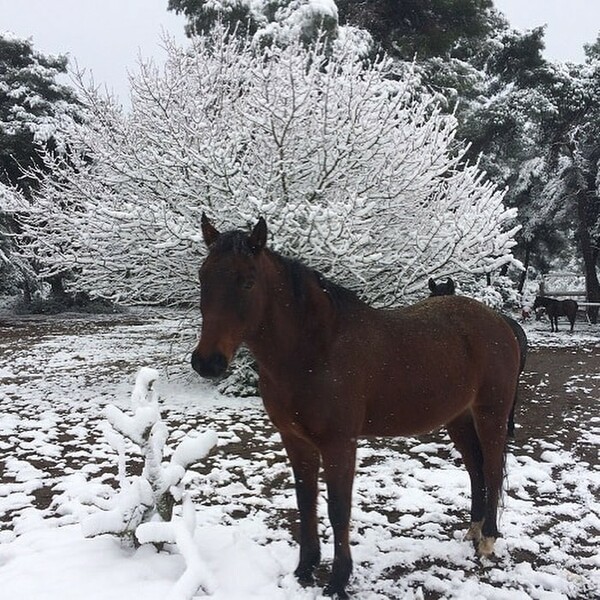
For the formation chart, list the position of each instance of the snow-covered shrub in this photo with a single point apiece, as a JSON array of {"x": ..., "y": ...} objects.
[
  {"x": 356, "y": 172},
  {"x": 142, "y": 510},
  {"x": 500, "y": 295},
  {"x": 241, "y": 379},
  {"x": 180, "y": 531}
]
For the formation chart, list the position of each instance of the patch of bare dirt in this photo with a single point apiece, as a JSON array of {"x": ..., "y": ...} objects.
[{"x": 559, "y": 399}]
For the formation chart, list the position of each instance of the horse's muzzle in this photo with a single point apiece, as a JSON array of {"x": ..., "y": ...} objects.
[{"x": 211, "y": 367}]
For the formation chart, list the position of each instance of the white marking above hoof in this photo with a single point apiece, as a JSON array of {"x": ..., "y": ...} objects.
[
  {"x": 486, "y": 546},
  {"x": 474, "y": 531}
]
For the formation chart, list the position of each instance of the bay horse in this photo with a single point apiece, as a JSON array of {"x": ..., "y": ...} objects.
[
  {"x": 447, "y": 289},
  {"x": 332, "y": 369},
  {"x": 557, "y": 308}
]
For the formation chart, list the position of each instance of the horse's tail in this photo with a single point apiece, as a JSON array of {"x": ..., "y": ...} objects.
[
  {"x": 521, "y": 337},
  {"x": 511, "y": 416}
]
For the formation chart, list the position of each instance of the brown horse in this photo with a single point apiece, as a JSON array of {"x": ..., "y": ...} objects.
[{"x": 333, "y": 369}]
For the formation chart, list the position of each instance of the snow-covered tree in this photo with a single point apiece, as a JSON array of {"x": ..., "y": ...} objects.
[
  {"x": 422, "y": 29},
  {"x": 537, "y": 125},
  {"x": 16, "y": 272},
  {"x": 267, "y": 20},
  {"x": 571, "y": 160},
  {"x": 355, "y": 173},
  {"x": 32, "y": 105}
]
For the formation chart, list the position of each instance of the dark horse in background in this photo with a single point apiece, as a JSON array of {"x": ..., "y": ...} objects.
[
  {"x": 333, "y": 369},
  {"x": 557, "y": 308},
  {"x": 449, "y": 288}
]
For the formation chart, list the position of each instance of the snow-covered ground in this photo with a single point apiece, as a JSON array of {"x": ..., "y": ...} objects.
[{"x": 411, "y": 496}]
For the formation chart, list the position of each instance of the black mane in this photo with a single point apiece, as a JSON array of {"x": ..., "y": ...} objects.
[{"x": 299, "y": 275}]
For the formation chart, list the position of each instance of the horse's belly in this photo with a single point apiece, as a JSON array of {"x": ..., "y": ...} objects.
[{"x": 411, "y": 414}]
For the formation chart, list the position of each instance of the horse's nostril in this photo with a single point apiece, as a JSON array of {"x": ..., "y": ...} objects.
[{"x": 210, "y": 367}]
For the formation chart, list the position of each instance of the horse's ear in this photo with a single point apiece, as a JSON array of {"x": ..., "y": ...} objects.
[
  {"x": 432, "y": 285},
  {"x": 258, "y": 237},
  {"x": 451, "y": 285},
  {"x": 209, "y": 232}
]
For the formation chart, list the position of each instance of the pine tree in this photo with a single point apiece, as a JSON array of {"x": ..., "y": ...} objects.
[
  {"x": 269, "y": 20},
  {"x": 423, "y": 29},
  {"x": 32, "y": 105}
]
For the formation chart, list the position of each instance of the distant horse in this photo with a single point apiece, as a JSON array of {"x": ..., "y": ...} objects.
[
  {"x": 557, "y": 308},
  {"x": 447, "y": 289},
  {"x": 332, "y": 369},
  {"x": 442, "y": 289}
]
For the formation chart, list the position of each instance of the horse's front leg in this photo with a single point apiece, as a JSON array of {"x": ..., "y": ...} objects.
[
  {"x": 339, "y": 464},
  {"x": 306, "y": 460}
]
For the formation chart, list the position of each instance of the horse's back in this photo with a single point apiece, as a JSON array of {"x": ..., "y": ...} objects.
[{"x": 459, "y": 332}]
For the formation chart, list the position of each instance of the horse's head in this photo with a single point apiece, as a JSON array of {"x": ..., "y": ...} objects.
[
  {"x": 537, "y": 303},
  {"x": 231, "y": 297},
  {"x": 442, "y": 289}
]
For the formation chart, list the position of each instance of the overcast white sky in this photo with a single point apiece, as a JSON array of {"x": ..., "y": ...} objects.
[
  {"x": 570, "y": 23},
  {"x": 106, "y": 36}
]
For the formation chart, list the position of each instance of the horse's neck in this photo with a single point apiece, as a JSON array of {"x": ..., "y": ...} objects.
[{"x": 291, "y": 330}]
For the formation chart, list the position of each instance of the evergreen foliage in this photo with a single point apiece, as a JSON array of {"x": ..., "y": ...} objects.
[
  {"x": 422, "y": 29},
  {"x": 32, "y": 105},
  {"x": 267, "y": 20}
]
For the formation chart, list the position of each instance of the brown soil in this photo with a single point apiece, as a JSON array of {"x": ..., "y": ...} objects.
[{"x": 559, "y": 396}]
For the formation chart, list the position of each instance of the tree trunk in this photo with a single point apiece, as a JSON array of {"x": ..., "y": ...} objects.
[
  {"x": 523, "y": 276},
  {"x": 589, "y": 252},
  {"x": 57, "y": 288}
]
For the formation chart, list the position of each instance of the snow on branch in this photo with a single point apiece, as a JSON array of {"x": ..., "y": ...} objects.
[
  {"x": 357, "y": 172},
  {"x": 180, "y": 531},
  {"x": 143, "y": 509}
]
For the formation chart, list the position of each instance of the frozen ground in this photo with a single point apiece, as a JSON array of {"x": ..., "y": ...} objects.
[{"x": 411, "y": 495}]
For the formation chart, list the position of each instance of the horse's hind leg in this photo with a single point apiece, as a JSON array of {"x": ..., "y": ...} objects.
[
  {"x": 462, "y": 432},
  {"x": 491, "y": 430},
  {"x": 306, "y": 460}
]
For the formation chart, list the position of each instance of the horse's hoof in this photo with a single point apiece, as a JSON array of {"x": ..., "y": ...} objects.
[
  {"x": 474, "y": 532},
  {"x": 304, "y": 572},
  {"x": 304, "y": 576},
  {"x": 331, "y": 592},
  {"x": 486, "y": 546}
]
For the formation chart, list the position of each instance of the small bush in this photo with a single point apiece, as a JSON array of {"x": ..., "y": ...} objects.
[{"x": 52, "y": 305}]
